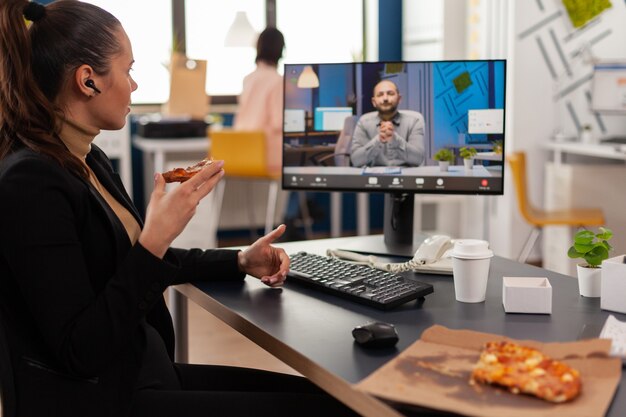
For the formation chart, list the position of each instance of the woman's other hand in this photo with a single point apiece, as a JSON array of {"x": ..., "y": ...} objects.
[
  {"x": 169, "y": 212},
  {"x": 264, "y": 261}
]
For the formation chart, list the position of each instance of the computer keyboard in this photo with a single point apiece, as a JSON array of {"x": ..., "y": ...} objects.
[{"x": 358, "y": 283}]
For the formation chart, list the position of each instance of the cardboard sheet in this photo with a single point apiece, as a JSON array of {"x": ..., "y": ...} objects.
[
  {"x": 187, "y": 88},
  {"x": 434, "y": 372}
]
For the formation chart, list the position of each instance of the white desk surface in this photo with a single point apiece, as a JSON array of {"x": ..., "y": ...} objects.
[
  {"x": 426, "y": 171},
  {"x": 160, "y": 147},
  {"x": 489, "y": 156},
  {"x": 586, "y": 149},
  {"x": 171, "y": 144}
]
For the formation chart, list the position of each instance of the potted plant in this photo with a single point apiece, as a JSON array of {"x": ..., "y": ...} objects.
[
  {"x": 445, "y": 157},
  {"x": 593, "y": 248},
  {"x": 585, "y": 134},
  {"x": 497, "y": 146},
  {"x": 468, "y": 155}
]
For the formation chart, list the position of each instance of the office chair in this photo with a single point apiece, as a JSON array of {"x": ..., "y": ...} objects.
[
  {"x": 8, "y": 400},
  {"x": 538, "y": 218},
  {"x": 341, "y": 155},
  {"x": 245, "y": 157}
]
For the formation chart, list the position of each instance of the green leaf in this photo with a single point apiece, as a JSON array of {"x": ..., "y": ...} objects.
[
  {"x": 596, "y": 256},
  {"x": 584, "y": 237},
  {"x": 605, "y": 234},
  {"x": 607, "y": 245},
  {"x": 573, "y": 253},
  {"x": 583, "y": 248}
]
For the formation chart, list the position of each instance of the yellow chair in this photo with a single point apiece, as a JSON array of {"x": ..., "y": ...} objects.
[
  {"x": 245, "y": 157},
  {"x": 538, "y": 218}
]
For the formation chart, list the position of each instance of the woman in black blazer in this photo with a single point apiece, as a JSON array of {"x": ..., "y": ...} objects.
[{"x": 81, "y": 274}]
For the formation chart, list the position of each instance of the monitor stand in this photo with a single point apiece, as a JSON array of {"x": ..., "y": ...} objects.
[{"x": 398, "y": 240}]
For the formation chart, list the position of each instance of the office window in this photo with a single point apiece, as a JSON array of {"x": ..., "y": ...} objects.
[
  {"x": 149, "y": 27},
  {"x": 321, "y": 31},
  {"x": 207, "y": 22},
  {"x": 423, "y": 30}
]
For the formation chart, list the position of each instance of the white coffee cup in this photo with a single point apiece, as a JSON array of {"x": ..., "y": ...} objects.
[{"x": 470, "y": 268}]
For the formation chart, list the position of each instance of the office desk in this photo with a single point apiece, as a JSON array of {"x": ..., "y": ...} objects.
[
  {"x": 311, "y": 331},
  {"x": 489, "y": 156},
  {"x": 159, "y": 148},
  {"x": 301, "y": 153},
  {"x": 426, "y": 171},
  {"x": 560, "y": 149},
  {"x": 581, "y": 182}
]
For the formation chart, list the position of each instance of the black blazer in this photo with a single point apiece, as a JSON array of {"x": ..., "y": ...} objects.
[{"x": 74, "y": 292}]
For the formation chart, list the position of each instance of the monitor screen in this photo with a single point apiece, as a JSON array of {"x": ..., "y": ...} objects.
[
  {"x": 609, "y": 87},
  {"x": 398, "y": 128},
  {"x": 331, "y": 118},
  {"x": 381, "y": 127},
  {"x": 293, "y": 120}
]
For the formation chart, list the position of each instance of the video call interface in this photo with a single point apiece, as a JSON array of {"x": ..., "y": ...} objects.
[{"x": 448, "y": 135}]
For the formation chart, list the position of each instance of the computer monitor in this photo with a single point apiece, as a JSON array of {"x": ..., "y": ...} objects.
[
  {"x": 442, "y": 104},
  {"x": 609, "y": 87},
  {"x": 293, "y": 120},
  {"x": 330, "y": 118}
]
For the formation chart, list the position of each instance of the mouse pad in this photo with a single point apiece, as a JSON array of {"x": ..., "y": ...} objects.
[{"x": 434, "y": 372}]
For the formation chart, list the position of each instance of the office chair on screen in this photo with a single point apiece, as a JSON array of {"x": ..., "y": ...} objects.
[
  {"x": 538, "y": 218},
  {"x": 340, "y": 157},
  {"x": 245, "y": 156}
]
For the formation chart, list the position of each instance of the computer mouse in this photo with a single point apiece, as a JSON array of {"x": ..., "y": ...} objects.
[{"x": 376, "y": 334}]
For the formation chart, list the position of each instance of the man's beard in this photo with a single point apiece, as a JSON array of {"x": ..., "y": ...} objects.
[{"x": 388, "y": 112}]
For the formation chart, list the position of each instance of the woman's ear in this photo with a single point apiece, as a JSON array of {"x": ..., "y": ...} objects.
[{"x": 82, "y": 75}]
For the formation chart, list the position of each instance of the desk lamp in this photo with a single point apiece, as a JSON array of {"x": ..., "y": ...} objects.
[
  {"x": 308, "y": 79},
  {"x": 241, "y": 33}
]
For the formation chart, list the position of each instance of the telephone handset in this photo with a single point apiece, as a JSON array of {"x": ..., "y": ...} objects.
[
  {"x": 433, "y": 249},
  {"x": 432, "y": 256}
]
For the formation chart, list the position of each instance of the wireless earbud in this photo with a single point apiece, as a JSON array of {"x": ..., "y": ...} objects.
[{"x": 92, "y": 85}]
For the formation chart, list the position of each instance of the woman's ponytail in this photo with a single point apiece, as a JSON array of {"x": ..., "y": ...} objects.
[{"x": 27, "y": 117}]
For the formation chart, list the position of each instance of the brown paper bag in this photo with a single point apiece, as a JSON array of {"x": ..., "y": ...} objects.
[
  {"x": 187, "y": 88},
  {"x": 434, "y": 372}
]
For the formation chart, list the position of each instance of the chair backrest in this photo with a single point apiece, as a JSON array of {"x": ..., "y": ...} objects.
[
  {"x": 7, "y": 383},
  {"x": 517, "y": 162},
  {"x": 244, "y": 152},
  {"x": 344, "y": 142}
]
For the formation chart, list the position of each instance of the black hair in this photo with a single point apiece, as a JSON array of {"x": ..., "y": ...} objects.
[
  {"x": 36, "y": 62},
  {"x": 71, "y": 34},
  {"x": 269, "y": 46}
]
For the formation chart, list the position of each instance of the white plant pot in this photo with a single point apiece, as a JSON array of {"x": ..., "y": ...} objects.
[
  {"x": 586, "y": 137},
  {"x": 589, "y": 281},
  {"x": 614, "y": 284},
  {"x": 468, "y": 163},
  {"x": 444, "y": 165}
]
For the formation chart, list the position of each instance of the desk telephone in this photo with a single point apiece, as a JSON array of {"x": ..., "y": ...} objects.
[{"x": 432, "y": 256}]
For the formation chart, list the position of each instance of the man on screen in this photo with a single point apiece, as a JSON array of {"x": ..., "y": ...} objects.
[{"x": 388, "y": 136}]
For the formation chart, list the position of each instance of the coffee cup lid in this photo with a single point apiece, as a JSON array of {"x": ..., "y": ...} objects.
[{"x": 471, "y": 249}]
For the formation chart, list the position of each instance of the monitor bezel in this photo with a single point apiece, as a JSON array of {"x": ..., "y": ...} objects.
[{"x": 431, "y": 191}]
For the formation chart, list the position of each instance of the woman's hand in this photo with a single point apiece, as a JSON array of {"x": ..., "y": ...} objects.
[
  {"x": 169, "y": 212},
  {"x": 261, "y": 260}
]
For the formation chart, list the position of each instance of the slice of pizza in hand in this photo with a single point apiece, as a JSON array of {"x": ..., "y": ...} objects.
[
  {"x": 522, "y": 369},
  {"x": 183, "y": 174}
]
